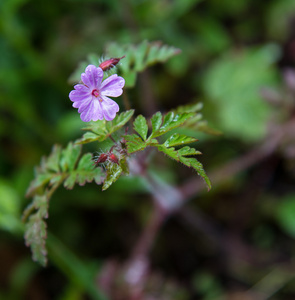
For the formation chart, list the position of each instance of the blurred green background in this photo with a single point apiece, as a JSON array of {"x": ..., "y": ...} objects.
[{"x": 237, "y": 58}]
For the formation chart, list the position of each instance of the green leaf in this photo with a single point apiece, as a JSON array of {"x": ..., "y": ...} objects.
[
  {"x": 191, "y": 107},
  {"x": 156, "y": 121},
  {"x": 10, "y": 204},
  {"x": 89, "y": 137},
  {"x": 44, "y": 173},
  {"x": 52, "y": 162},
  {"x": 171, "y": 121},
  {"x": 85, "y": 172},
  {"x": 119, "y": 121},
  {"x": 60, "y": 165},
  {"x": 113, "y": 173},
  {"x": 177, "y": 139},
  {"x": 286, "y": 214},
  {"x": 179, "y": 155},
  {"x": 40, "y": 181},
  {"x": 69, "y": 157},
  {"x": 140, "y": 126},
  {"x": 101, "y": 130},
  {"x": 139, "y": 57},
  {"x": 187, "y": 151},
  {"x": 134, "y": 143},
  {"x": 234, "y": 90},
  {"x": 124, "y": 166},
  {"x": 35, "y": 233}
]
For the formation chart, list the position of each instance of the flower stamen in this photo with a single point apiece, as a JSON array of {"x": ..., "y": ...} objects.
[{"x": 95, "y": 93}]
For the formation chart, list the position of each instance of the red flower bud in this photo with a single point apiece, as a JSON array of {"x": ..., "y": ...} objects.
[
  {"x": 101, "y": 159},
  {"x": 113, "y": 158},
  {"x": 110, "y": 63}
]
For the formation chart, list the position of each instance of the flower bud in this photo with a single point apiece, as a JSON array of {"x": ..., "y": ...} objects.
[
  {"x": 113, "y": 158},
  {"x": 110, "y": 63},
  {"x": 101, "y": 159}
]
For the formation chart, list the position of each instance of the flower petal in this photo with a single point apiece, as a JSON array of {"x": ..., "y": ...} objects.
[
  {"x": 86, "y": 115},
  {"x": 82, "y": 102},
  {"x": 112, "y": 86},
  {"x": 76, "y": 96},
  {"x": 92, "y": 77},
  {"x": 97, "y": 113},
  {"x": 83, "y": 105},
  {"x": 109, "y": 108},
  {"x": 82, "y": 88}
]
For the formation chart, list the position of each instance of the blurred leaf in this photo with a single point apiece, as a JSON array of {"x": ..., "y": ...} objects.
[
  {"x": 9, "y": 208},
  {"x": 85, "y": 172},
  {"x": 36, "y": 233},
  {"x": 191, "y": 107},
  {"x": 279, "y": 17},
  {"x": 60, "y": 165},
  {"x": 137, "y": 59},
  {"x": 233, "y": 87},
  {"x": 69, "y": 157},
  {"x": 196, "y": 122},
  {"x": 286, "y": 214}
]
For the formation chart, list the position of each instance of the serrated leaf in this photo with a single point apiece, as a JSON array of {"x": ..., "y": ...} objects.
[
  {"x": 113, "y": 173},
  {"x": 179, "y": 155},
  {"x": 52, "y": 162},
  {"x": 171, "y": 121},
  {"x": 156, "y": 121},
  {"x": 69, "y": 157},
  {"x": 178, "y": 139},
  {"x": 124, "y": 166},
  {"x": 134, "y": 143},
  {"x": 139, "y": 57},
  {"x": 35, "y": 232},
  {"x": 37, "y": 183},
  {"x": 101, "y": 130},
  {"x": 89, "y": 137},
  {"x": 140, "y": 126},
  {"x": 35, "y": 238},
  {"x": 120, "y": 120},
  {"x": 193, "y": 162},
  {"x": 171, "y": 152},
  {"x": 85, "y": 172},
  {"x": 186, "y": 151}
]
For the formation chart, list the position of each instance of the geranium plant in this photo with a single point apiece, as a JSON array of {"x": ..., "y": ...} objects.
[{"x": 128, "y": 134}]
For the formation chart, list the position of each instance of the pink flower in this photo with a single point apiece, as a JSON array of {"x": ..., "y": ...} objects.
[{"x": 91, "y": 97}]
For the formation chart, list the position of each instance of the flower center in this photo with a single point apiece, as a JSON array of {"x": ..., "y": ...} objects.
[{"x": 95, "y": 93}]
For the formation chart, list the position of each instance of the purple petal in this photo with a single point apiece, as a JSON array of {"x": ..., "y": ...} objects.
[
  {"x": 76, "y": 96},
  {"x": 109, "y": 107},
  {"x": 86, "y": 115},
  {"x": 78, "y": 104},
  {"x": 83, "y": 105},
  {"x": 97, "y": 113},
  {"x": 92, "y": 76},
  {"x": 82, "y": 88},
  {"x": 112, "y": 86}
]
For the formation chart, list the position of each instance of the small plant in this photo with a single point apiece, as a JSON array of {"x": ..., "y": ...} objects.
[{"x": 131, "y": 139}]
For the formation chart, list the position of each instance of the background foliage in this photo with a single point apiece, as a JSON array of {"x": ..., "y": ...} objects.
[{"x": 235, "y": 242}]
